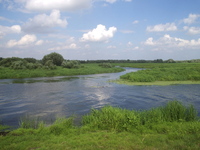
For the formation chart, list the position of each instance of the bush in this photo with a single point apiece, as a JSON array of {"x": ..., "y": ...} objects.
[
  {"x": 71, "y": 64},
  {"x": 30, "y": 60},
  {"x": 49, "y": 65},
  {"x": 18, "y": 65},
  {"x": 106, "y": 65},
  {"x": 7, "y": 62},
  {"x": 56, "y": 59}
]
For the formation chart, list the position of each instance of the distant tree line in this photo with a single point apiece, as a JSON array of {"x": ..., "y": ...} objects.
[
  {"x": 52, "y": 60},
  {"x": 140, "y": 61}
]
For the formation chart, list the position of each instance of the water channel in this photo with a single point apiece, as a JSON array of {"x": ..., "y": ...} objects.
[{"x": 52, "y": 97}]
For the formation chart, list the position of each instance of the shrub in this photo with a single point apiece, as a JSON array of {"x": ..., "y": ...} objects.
[
  {"x": 7, "y": 62},
  {"x": 71, "y": 64},
  {"x": 56, "y": 58},
  {"x": 49, "y": 65},
  {"x": 30, "y": 60},
  {"x": 18, "y": 65},
  {"x": 106, "y": 65}
]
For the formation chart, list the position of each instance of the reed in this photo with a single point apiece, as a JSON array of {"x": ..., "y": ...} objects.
[
  {"x": 172, "y": 126},
  {"x": 118, "y": 119},
  {"x": 164, "y": 72}
]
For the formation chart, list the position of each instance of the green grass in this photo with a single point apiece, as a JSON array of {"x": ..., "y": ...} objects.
[
  {"x": 173, "y": 126},
  {"x": 162, "y": 74},
  {"x": 7, "y": 73}
]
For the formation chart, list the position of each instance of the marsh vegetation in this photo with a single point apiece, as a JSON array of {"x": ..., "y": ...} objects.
[
  {"x": 155, "y": 73},
  {"x": 173, "y": 126}
]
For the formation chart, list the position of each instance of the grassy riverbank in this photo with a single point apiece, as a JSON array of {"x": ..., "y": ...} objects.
[
  {"x": 173, "y": 126},
  {"x": 8, "y": 73},
  {"x": 162, "y": 74}
]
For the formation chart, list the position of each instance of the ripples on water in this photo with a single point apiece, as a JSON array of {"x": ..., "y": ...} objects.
[{"x": 48, "y": 98}]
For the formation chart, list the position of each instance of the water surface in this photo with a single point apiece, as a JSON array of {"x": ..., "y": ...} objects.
[{"x": 48, "y": 98}]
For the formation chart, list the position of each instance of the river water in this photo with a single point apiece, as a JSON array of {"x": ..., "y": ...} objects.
[{"x": 52, "y": 97}]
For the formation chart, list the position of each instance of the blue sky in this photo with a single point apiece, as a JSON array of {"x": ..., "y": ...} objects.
[{"x": 101, "y": 29}]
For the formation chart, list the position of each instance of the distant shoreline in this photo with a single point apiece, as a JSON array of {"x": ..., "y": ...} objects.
[{"x": 161, "y": 83}]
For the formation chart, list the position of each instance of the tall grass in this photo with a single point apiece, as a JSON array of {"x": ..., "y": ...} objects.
[
  {"x": 173, "y": 126},
  {"x": 164, "y": 72},
  {"x": 118, "y": 119},
  {"x": 8, "y": 73}
]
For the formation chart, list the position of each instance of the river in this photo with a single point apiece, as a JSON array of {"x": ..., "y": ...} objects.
[{"x": 52, "y": 97}]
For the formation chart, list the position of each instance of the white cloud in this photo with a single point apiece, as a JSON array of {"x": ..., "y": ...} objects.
[
  {"x": 191, "y": 18},
  {"x": 99, "y": 34},
  {"x": 135, "y": 22},
  {"x": 128, "y": 0},
  {"x": 149, "y": 41},
  {"x": 24, "y": 41},
  {"x": 8, "y": 30},
  {"x": 40, "y": 42},
  {"x": 64, "y": 5},
  {"x": 111, "y": 47},
  {"x": 5, "y": 19},
  {"x": 70, "y": 46},
  {"x": 129, "y": 43},
  {"x": 162, "y": 27},
  {"x": 111, "y": 1},
  {"x": 42, "y": 23},
  {"x": 168, "y": 42},
  {"x": 192, "y": 30}
]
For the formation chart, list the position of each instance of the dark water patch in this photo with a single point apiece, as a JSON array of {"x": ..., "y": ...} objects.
[{"x": 46, "y": 80}]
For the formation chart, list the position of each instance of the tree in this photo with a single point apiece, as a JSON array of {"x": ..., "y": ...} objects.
[{"x": 56, "y": 58}]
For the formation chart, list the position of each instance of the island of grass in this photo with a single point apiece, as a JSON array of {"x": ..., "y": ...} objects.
[
  {"x": 173, "y": 126},
  {"x": 161, "y": 74},
  {"x": 51, "y": 65}
]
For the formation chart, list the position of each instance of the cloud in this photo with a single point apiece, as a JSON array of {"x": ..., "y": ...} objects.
[
  {"x": 26, "y": 40},
  {"x": 127, "y": 31},
  {"x": 42, "y": 23},
  {"x": 162, "y": 27},
  {"x": 191, "y": 18},
  {"x": 70, "y": 46},
  {"x": 168, "y": 42},
  {"x": 5, "y": 19},
  {"x": 99, "y": 34},
  {"x": 8, "y": 30},
  {"x": 135, "y": 22},
  {"x": 40, "y": 42},
  {"x": 111, "y": 47},
  {"x": 64, "y": 5},
  {"x": 111, "y": 1},
  {"x": 129, "y": 44},
  {"x": 192, "y": 30},
  {"x": 149, "y": 41}
]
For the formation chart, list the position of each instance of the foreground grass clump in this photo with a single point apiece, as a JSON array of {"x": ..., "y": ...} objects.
[
  {"x": 8, "y": 73},
  {"x": 173, "y": 126},
  {"x": 164, "y": 72},
  {"x": 117, "y": 119}
]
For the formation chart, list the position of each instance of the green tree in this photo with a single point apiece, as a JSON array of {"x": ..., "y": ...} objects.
[{"x": 56, "y": 58}]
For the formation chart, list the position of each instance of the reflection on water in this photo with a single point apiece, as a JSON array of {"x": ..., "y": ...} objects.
[{"x": 48, "y": 98}]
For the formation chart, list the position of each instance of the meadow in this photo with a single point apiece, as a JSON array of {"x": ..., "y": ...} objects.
[
  {"x": 9, "y": 73},
  {"x": 172, "y": 126},
  {"x": 162, "y": 73}
]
